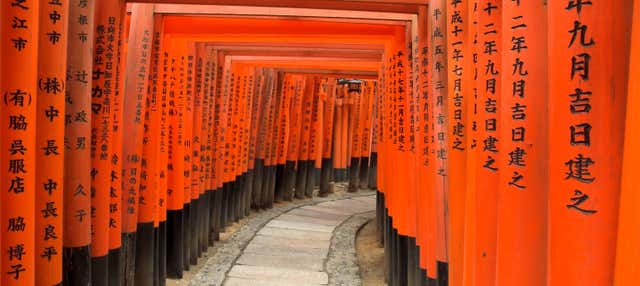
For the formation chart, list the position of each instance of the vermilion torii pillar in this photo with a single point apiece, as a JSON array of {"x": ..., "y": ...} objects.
[
  {"x": 458, "y": 42},
  {"x": 19, "y": 90},
  {"x": 147, "y": 222},
  {"x": 441, "y": 119},
  {"x": 52, "y": 67},
  {"x": 472, "y": 146},
  {"x": 588, "y": 55},
  {"x": 628, "y": 234},
  {"x": 77, "y": 184},
  {"x": 135, "y": 94},
  {"x": 105, "y": 84},
  {"x": 487, "y": 167},
  {"x": 521, "y": 247}
]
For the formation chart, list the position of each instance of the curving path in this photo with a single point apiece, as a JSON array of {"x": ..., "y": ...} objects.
[
  {"x": 308, "y": 242},
  {"x": 292, "y": 248}
]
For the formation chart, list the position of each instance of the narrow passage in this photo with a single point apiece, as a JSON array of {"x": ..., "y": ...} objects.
[{"x": 292, "y": 248}]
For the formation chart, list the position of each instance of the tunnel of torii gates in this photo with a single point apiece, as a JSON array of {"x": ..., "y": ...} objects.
[{"x": 498, "y": 134}]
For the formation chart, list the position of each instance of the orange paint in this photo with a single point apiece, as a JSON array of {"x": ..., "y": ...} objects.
[
  {"x": 315, "y": 142},
  {"x": 164, "y": 74},
  {"x": 441, "y": 119},
  {"x": 105, "y": 62},
  {"x": 115, "y": 208},
  {"x": 135, "y": 94},
  {"x": 187, "y": 88},
  {"x": 307, "y": 111},
  {"x": 52, "y": 68},
  {"x": 587, "y": 83},
  {"x": 424, "y": 167},
  {"x": 77, "y": 181},
  {"x": 149, "y": 168},
  {"x": 627, "y": 251},
  {"x": 473, "y": 149},
  {"x": 457, "y": 88},
  {"x": 175, "y": 168},
  {"x": 521, "y": 247},
  {"x": 19, "y": 90},
  {"x": 337, "y": 133},
  {"x": 297, "y": 89},
  {"x": 197, "y": 121}
]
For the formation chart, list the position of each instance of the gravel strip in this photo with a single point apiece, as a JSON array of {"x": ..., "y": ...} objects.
[{"x": 342, "y": 263}]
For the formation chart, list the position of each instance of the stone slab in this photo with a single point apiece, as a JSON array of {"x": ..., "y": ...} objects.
[
  {"x": 294, "y": 233},
  {"x": 367, "y": 199},
  {"x": 293, "y": 242},
  {"x": 233, "y": 281},
  {"x": 300, "y": 226},
  {"x": 297, "y": 261},
  {"x": 308, "y": 219},
  {"x": 270, "y": 249},
  {"x": 283, "y": 276},
  {"x": 351, "y": 206},
  {"x": 328, "y": 210},
  {"x": 317, "y": 214}
]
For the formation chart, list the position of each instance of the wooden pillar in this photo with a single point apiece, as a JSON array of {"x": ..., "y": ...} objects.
[
  {"x": 77, "y": 183},
  {"x": 19, "y": 89},
  {"x": 149, "y": 167},
  {"x": 344, "y": 137},
  {"x": 256, "y": 133},
  {"x": 355, "y": 99},
  {"x": 270, "y": 82},
  {"x": 116, "y": 259},
  {"x": 224, "y": 139},
  {"x": 424, "y": 166},
  {"x": 175, "y": 166},
  {"x": 404, "y": 184},
  {"x": 305, "y": 132},
  {"x": 375, "y": 127},
  {"x": 457, "y": 88},
  {"x": 260, "y": 140},
  {"x": 473, "y": 141},
  {"x": 164, "y": 80},
  {"x": 52, "y": 67},
  {"x": 328, "y": 138},
  {"x": 365, "y": 141},
  {"x": 521, "y": 248},
  {"x": 627, "y": 249},
  {"x": 297, "y": 89},
  {"x": 136, "y": 84},
  {"x": 187, "y": 120},
  {"x": 487, "y": 168},
  {"x": 238, "y": 143},
  {"x": 204, "y": 64},
  {"x": 249, "y": 112},
  {"x": 411, "y": 156},
  {"x": 235, "y": 90},
  {"x": 105, "y": 64},
  {"x": 337, "y": 135},
  {"x": 283, "y": 135},
  {"x": 249, "y": 160},
  {"x": 319, "y": 126},
  {"x": 587, "y": 78},
  {"x": 211, "y": 139},
  {"x": 439, "y": 99},
  {"x": 217, "y": 68},
  {"x": 315, "y": 135},
  {"x": 200, "y": 119}
]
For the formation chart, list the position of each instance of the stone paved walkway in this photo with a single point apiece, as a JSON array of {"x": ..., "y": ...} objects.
[
  {"x": 292, "y": 248},
  {"x": 310, "y": 227}
]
